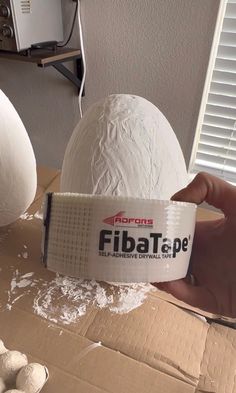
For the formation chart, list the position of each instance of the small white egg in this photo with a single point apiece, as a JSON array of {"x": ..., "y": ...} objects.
[
  {"x": 31, "y": 378},
  {"x": 10, "y": 364},
  {"x": 3, "y": 349},
  {"x": 2, "y": 386}
]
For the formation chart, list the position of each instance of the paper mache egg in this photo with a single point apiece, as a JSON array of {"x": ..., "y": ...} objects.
[
  {"x": 124, "y": 146},
  {"x": 18, "y": 179}
]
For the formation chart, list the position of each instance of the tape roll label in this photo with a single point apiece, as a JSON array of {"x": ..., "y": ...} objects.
[
  {"x": 134, "y": 236},
  {"x": 119, "y": 239}
]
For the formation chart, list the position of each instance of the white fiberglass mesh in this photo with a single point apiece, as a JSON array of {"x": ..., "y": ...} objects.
[{"x": 70, "y": 225}]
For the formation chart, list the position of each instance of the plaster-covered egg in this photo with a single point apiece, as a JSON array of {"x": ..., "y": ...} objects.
[
  {"x": 32, "y": 378},
  {"x": 18, "y": 177},
  {"x": 10, "y": 364},
  {"x": 2, "y": 386},
  {"x": 124, "y": 146},
  {"x": 3, "y": 349}
]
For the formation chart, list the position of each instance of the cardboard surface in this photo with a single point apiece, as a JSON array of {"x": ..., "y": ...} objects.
[{"x": 157, "y": 347}]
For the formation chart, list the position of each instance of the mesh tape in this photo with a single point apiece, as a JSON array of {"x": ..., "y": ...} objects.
[{"x": 70, "y": 225}]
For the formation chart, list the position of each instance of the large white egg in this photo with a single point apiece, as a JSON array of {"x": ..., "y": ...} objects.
[
  {"x": 18, "y": 179},
  {"x": 124, "y": 146}
]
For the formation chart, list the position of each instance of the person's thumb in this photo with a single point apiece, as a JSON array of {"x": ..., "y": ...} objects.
[{"x": 214, "y": 191}]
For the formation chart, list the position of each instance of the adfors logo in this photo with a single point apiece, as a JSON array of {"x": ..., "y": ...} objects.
[
  {"x": 119, "y": 220},
  {"x": 112, "y": 220}
]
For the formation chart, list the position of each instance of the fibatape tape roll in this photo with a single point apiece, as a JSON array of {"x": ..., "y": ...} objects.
[{"x": 117, "y": 239}]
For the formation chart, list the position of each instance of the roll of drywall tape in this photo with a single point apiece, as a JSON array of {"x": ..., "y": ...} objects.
[{"x": 117, "y": 239}]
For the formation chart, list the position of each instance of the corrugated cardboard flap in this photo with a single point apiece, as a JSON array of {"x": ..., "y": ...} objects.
[
  {"x": 218, "y": 368},
  {"x": 76, "y": 363}
]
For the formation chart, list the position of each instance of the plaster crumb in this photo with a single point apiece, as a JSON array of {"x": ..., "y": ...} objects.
[
  {"x": 28, "y": 275},
  {"x": 19, "y": 281},
  {"x": 131, "y": 297},
  {"x": 17, "y": 298},
  {"x": 39, "y": 215},
  {"x": 23, "y": 283},
  {"x": 26, "y": 216},
  {"x": 25, "y": 255},
  {"x": 88, "y": 349}
]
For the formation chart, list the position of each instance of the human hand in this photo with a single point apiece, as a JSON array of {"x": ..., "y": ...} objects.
[{"x": 213, "y": 259}]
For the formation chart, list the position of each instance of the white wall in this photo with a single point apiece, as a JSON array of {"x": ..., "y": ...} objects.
[{"x": 158, "y": 49}]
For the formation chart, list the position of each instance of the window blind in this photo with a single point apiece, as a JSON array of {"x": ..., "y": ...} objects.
[{"x": 216, "y": 150}]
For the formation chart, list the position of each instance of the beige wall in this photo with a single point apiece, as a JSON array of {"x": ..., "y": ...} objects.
[{"x": 158, "y": 49}]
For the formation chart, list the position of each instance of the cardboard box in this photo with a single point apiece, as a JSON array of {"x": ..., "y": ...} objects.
[{"x": 157, "y": 347}]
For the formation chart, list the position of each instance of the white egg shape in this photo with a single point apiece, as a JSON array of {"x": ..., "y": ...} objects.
[
  {"x": 18, "y": 178},
  {"x": 124, "y": 146},
  {"x": 32, "y": 378}
]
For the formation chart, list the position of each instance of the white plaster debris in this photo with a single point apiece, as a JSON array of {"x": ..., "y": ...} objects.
[
  {"x": 39, "y": 215},
  {"x": 88, "y": 349},
  {"x": 20, "y": 281},
  {"x": 64, "y": 299},
  {"x": 131, "y": 297},
  {"x": 80, "y": 294},
  {"x": 24, "y": 254},
  {"x": 27, "y": 216}
]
